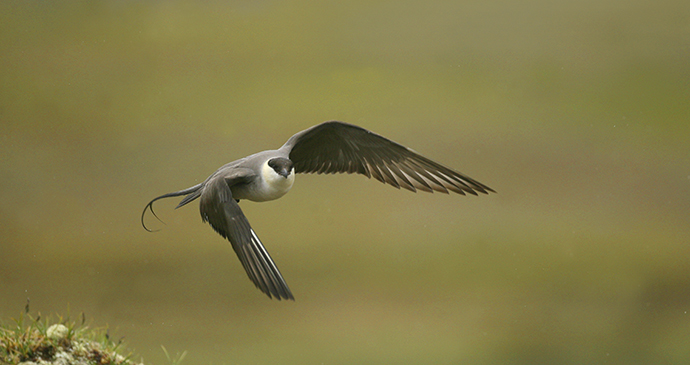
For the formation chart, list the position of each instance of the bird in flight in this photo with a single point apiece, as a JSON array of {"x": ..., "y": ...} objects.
[{"x": 330, "y": 147}]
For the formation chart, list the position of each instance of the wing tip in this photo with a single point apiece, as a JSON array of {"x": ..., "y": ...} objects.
[{"x": 283, "y": 296}]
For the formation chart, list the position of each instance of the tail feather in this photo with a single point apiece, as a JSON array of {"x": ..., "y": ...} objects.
[
  {"x": 189, "y": 198},
  {"x": 191, "y": 194}
]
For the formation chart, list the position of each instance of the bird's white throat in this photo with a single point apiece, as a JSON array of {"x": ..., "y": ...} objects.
[{"x": 274, "y": 185}]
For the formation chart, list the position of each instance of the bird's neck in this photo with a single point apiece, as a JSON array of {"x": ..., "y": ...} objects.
[{"x": 273, "y": 185}]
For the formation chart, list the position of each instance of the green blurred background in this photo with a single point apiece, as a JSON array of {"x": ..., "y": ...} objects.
[{"x": 577, "y": 113}]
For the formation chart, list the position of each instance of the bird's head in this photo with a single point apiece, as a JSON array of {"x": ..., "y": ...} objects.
[{"x": 282, "y": 166}]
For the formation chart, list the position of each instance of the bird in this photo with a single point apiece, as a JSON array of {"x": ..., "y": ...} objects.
[{"x": 327, "y": 148}]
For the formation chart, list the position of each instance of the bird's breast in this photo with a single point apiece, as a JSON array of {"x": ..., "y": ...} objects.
[{"x": 268, "y": 186}]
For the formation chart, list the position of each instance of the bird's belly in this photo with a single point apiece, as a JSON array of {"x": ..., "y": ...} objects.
[{"x": 264, "y": 190}]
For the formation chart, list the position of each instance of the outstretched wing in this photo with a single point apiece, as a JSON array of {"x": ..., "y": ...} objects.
[
  {"x": 222, "y": 212},
  {"x": 337, "y": 147}
]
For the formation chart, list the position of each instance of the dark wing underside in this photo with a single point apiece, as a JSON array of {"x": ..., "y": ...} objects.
[
  {"x": 222, "y": 212},
  {"x": 336, "y": 147}
]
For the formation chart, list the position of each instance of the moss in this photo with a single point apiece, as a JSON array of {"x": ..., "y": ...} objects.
[{"x": 62, "y": 342}]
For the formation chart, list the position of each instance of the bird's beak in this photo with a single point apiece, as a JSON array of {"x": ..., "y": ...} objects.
[{"x": 285, "y": 172}]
